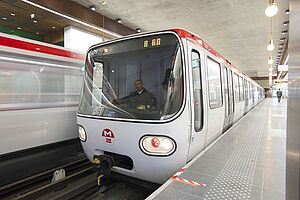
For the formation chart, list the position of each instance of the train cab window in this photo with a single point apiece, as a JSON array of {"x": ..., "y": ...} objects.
[
  {"x": 241, "y": 89},
  {"x": 197, "y": 91},
  {"x": 138, "y": 79},
  {"x": 236, "y": 88},
  {"x": 214, "y": 83}
]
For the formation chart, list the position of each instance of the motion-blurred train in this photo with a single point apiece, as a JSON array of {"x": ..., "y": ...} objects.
[
  {"x": 39, "y": 93},
  {"x": 197, "y": 95}
]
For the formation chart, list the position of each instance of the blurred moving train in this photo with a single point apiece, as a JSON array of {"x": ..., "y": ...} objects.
[
  {"x": 199, "y": 95},
  {"x": 39, "y": 93}
]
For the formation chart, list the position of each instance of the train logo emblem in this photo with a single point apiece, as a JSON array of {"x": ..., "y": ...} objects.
[{"x": 108, "y": 136}]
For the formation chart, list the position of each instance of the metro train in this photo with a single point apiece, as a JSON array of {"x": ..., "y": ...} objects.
[
  {"x": 39, "y": 93},
  {"x": 197, "y": 96}
]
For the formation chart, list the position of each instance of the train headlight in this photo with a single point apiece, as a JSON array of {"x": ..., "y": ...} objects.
[
  {"x": 157, "y": 145},
  {"x": 82, "y": 134}
]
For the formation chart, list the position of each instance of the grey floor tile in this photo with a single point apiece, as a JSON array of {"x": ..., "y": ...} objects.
[
  {"x": 272, "y": 195},
  {"x": 207, "y": 166},
  {"x": 173, "y": 194}
]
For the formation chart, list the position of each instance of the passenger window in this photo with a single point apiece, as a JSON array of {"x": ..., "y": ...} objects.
[
  {"x": 226, "y": 92},
  {"x": 241, "y": 89},
  {"x": 236, "y": 88},
  {"x": 34, "y": 85},
  {"x": 249, "y": 89},
  {"x": 197, "y": 91},
  {"x": 246, "y": 88},
  {"x": 214, "y": 83}
]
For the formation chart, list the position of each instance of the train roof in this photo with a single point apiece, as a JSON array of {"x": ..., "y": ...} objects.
[{"x": 198, "y": 41}]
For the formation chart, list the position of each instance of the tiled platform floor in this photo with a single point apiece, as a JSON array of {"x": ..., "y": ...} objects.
[{"x": 247, "y": 162}]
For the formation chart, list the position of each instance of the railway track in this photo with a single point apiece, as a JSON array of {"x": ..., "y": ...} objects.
[
  {"x": 37, "y": 185},
  {"x": 79, "y": 183}
]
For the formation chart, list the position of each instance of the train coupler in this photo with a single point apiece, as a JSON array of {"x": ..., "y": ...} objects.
[
  {"x": 99, "y": 180},
  {"x": 102, "y": 164}
]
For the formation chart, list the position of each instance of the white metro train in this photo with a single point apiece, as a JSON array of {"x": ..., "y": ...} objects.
[
  {"x": 151, "y": 102},
  {"x": 39, "y": 93}
]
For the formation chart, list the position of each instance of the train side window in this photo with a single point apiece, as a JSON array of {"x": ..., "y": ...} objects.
[
  {"x": 214, "y": 83},
  {"x": 241, "y": 89},
  {"x": 197, "y": 91},
  {"x": 230, "y": 80},
  {"x": 249, "y": 89},
  {"x": 226, "y": 91},
  {"x": 236, "y": 88},
  {"x": 246, "y": 89}
]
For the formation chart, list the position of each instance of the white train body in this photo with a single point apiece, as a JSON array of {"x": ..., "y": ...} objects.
[
  {"x": 208, "y": 103},
  {"x": 39, "y": 92}
]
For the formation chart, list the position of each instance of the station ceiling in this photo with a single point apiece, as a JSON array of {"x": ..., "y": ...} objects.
[{"x": 238, "y": 29}]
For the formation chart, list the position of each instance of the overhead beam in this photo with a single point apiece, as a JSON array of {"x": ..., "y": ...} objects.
[{"x": 77, "y": 11}]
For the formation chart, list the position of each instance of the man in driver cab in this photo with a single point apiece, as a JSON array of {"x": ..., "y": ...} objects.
[{"x": 141, "y": 99}]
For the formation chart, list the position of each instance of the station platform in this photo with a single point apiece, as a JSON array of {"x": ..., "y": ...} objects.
[{"x": 246, "y": 162}]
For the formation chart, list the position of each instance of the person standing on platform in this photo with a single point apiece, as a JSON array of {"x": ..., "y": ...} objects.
[{"x": 279, "y": 95}]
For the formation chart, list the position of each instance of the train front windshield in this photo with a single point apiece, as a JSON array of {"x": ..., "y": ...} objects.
[{"x": 138, "y": 78}]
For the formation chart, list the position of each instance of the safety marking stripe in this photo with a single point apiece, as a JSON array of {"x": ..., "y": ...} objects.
[{"x": 182, "y": 180}]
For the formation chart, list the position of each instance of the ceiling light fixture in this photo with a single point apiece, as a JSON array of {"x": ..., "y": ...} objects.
[
  {"x": 103, "y": 2},
  {"x": 19, "y": 28},
  {"x": 285, "y": 23},
  {"x": 138, "y": 30},
  {"x": 287, "y": 11},
  {"x": 119, "y": 20},
  {"x": 92, "y": 7},
  {"x": 271, "y": 9},
  {"x": 4, "y": 18},
  {"x": 271, "y": 46},
  {"x": 34, "y": 21},
  {"x": 37, "y": 33},
  {"x": 284, "y": 32},
  {"x": 12, "y": 14},
  {"x": 53, "y": 27},
  {"x": 32, "y": 16},
  {"x": 282, "y": 39},
  {"x": 270, "y": 61}
]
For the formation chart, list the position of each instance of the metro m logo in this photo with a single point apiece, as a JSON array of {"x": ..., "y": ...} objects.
[{"x": 108, "y": 136}]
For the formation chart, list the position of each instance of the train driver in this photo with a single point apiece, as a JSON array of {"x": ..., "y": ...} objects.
[{"x": 141, "y": 99}]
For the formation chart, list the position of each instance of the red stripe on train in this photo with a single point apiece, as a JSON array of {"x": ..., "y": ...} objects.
[
  {"x": 9, "y": 42},
  {"x": 198, "y": 41}
]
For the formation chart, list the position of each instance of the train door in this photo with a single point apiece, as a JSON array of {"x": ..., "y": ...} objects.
[
  {"x": 216, "y": 108},
  {"x": 228, "y": 100},
  {"x": 198, "y": 107}
]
